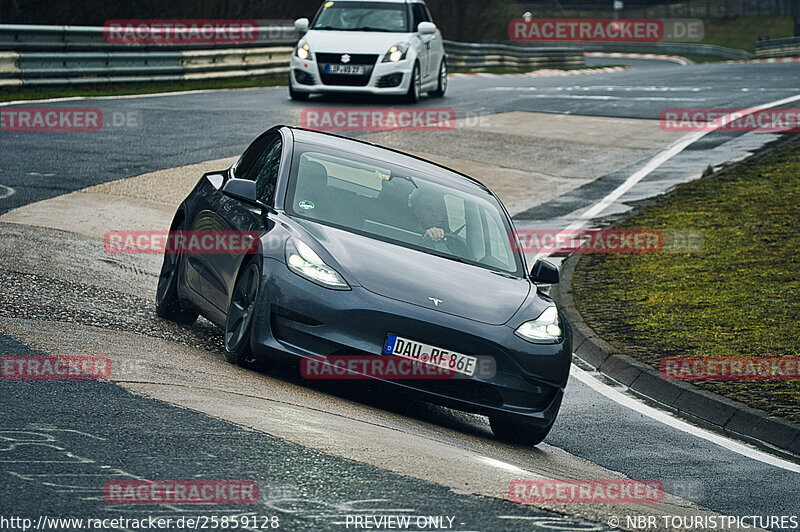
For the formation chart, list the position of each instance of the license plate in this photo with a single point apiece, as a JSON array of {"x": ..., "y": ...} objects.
[
  {"x": 355, "y": 70},
  {"x": 430, "y": 355}
]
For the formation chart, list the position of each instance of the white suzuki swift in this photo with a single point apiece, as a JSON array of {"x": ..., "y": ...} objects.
[{"x": 369, "y": 46}]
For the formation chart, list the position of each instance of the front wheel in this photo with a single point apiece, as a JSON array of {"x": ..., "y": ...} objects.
[
  {"x": 239, "y": 323},
  {"x": 510, "y": 429},
  {"x": 415, "y": 87},
  {"x": 442, "y": 87}
]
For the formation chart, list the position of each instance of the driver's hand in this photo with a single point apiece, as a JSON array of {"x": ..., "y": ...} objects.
[{"x": 435, "y": 234}]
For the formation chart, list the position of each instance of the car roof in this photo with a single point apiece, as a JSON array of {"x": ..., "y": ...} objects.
[{"x": 374, "y": 151}]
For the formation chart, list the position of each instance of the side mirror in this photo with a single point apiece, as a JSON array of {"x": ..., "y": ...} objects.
[
  {"x": 544, "y": 273},
  {"x": 241, "y": 189},
  {"x": 426, "y": 28},
  {"x": 301, "y": 25}
]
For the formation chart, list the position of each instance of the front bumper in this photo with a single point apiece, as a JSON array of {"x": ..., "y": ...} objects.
[
  {"x": 380, "y": 74},
  {"x": 300, "y": 319}
]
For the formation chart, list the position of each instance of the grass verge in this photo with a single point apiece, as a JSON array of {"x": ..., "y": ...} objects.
[
  {"x": 739, "y": 296},
  {"x": 741, "y": 33},
  {"x": 121, "y": 89}
]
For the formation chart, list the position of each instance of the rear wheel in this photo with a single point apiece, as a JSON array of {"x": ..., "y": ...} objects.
[
  {"x": 442, "y": 87},
  {"x": 415, "y": 87},
  {"x": 511, "y": 429},
  {"x": 239, "y": 324},
  {"x": 168, "y": 305}
]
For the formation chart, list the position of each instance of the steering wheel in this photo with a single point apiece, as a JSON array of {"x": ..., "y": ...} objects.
[{"x": 451, "y": 243}]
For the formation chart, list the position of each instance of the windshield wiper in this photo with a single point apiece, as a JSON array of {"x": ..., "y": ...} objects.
[
  {"x": 329, "y": 28},
  {"x": 444, "y": 255},
  {"x": 370, "y": 28}
]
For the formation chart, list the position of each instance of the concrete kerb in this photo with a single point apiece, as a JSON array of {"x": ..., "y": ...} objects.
[{"x": 704, "y": 408}]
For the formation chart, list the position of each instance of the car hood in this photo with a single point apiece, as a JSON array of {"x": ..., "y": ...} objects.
[
  {"x": 353, "y": 42},
  {"x": 414, "y": 277}
]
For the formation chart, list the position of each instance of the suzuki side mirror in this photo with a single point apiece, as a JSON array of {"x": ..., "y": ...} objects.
[
  {"x": 301, "y": 25},
  {"x": 426, "y": 28}
]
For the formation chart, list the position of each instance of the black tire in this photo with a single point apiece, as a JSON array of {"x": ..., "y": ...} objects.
[
  {"x": 297, "y": 96},
  {"x": 168, "y": 304},
  {"x": 510, "y": 429},
  {"x": 415, "y": 87},
  {"x": 441, "y": 89},
  {"x": 239, "y": 323}
]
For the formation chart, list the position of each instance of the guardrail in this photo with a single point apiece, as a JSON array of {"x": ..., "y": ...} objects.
[
  {"x": 65, "y": 55},
  {"x": 22, "y": 37},
  {"x": 472, "y": 57},
  {"x": 788, "y": 47},
  {"x": 69, "y": 68},
  {"x": 663, "y": 48}
]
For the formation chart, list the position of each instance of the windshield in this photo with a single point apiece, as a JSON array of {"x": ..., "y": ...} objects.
[
  {"x": 362, "y": 16},
  {"x": 402, "y": 206}
]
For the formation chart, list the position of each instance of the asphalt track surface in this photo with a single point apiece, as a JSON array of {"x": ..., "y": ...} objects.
[{"x": 59, "y": 441}]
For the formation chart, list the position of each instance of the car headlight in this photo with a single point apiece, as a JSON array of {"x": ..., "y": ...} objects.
[
  {"x": 303, "y": 261},
  {"x": 396, "y": 53},
  {"x": 544, "y": 329},
  {"x": 303, "y": 51}
]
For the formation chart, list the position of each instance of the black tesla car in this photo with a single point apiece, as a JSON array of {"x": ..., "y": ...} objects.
[{"x": 363, "y": 251}]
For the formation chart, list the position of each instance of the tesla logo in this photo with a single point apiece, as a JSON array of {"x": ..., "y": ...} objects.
[
  {"x": 346, "y": 58},
  {"x": 435, "y": 301}
]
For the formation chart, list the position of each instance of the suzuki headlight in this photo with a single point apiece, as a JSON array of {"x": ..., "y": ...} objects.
[
  {"x": 303, "y": 261},
  {"x": 396, "y": 53},
  {"x": 303, "y": 51},
  {"x": 544, "y": 329}
]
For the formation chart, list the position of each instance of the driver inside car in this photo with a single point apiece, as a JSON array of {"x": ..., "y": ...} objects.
[{"x": 430, "y": 211}]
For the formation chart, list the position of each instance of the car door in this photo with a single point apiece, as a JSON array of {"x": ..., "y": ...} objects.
[
  {"x": 217, "y": 271},
  {"x": 436, "y": 47},
  {"x": 420, "y": 14}
]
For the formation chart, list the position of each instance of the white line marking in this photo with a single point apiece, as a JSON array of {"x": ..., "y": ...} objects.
[
  {"x": 622, "y": 399},
  {"x": 669, "y": 420},
  {"x": 596, "y": 97},
  {"x": 501, "y": 465},
  {"x": 6, "y": 191},
  {"x": 130, "y": 96},
  {"x": 654, "y": 163}
]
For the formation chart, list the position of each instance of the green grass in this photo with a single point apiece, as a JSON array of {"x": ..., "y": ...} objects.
[
  {"x": 742, "y": 33},
  {"x": 739, "y": 296},
  {"x": 38, "y": 93}
]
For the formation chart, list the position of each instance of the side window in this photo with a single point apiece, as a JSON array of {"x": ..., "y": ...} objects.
[
  {"x": 260, "y": 163},
  {"x": 420, "y": 15},
  {"x": 428, "y": 16}
]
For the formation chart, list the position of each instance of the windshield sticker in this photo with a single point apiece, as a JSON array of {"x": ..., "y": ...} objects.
[
  {"x": 327, "y": 5},
  {"x": 306, "y": 205}
]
